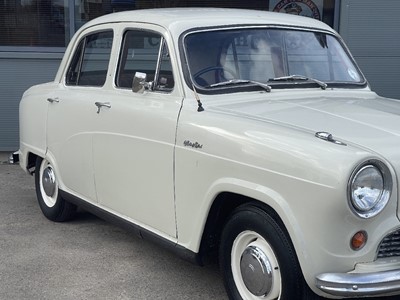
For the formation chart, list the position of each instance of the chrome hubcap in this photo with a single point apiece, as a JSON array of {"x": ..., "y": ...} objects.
[
  {"x": 256, "y": 271},
  {"x": 49, "y": 181}
]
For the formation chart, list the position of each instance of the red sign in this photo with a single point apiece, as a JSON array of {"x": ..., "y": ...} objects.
[{"x": 307, "y": 8}]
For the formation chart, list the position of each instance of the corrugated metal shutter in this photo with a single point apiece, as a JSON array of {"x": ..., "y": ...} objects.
[
  {"x": 17, "y": 75},
  {"x": 371, "y": 29}
]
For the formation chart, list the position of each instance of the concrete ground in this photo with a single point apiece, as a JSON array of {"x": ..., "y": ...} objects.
[{"x": 86, "y": 258}]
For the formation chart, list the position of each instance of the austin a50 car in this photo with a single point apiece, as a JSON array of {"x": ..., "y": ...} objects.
[{"x": 247, "y": 137}]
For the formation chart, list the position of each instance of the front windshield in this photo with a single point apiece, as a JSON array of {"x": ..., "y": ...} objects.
[{"x": 267, "y": 55}]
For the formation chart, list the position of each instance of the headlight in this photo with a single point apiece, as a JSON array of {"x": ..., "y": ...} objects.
[{"x": 369, "y": 189}]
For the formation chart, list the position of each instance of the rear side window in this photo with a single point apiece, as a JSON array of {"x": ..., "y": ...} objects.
[
  {"x": 89, "y": 64},
  {"x": 145, "y": 52}
]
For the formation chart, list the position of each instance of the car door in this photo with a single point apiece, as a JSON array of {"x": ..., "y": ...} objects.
[
  {"x": 72, "y": 113},
  {"x": 133, "y": 146}
]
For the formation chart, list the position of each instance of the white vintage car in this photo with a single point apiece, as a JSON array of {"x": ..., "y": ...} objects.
[{"x": 247, "y": 136}]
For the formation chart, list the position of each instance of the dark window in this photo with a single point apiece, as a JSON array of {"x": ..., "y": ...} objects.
[
  {"x": 89, "y": 64},
  {"x": 50, "y": 23},
  {"x": 34, "y": 23}
]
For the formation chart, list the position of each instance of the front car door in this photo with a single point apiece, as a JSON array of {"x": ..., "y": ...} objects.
[{"x": 133, "y": 146}]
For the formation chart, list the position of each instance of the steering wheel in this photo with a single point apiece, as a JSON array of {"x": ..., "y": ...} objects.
[{"x": 219, "y": 74}]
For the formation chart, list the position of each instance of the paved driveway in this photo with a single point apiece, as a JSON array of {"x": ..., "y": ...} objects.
[{"x": 86, "y": 258}]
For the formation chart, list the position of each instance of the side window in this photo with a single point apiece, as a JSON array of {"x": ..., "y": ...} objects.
[
  {"x": 89, "y": 64},
  {"x": 145, "y": 52}
]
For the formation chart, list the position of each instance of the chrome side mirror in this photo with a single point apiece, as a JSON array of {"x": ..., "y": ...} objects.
[{"x": 139, "y": 84}]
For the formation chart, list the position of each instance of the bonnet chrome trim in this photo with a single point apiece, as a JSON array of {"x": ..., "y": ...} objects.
[{"x": 326, "y": 136}]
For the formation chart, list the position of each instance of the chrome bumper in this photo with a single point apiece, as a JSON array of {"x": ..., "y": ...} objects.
[
  {"x": 360, "y": 284},
  {"x": 14, "y": 158}
]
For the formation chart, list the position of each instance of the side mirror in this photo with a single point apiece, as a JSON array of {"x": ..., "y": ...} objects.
[{"x": 139, "y": 84}]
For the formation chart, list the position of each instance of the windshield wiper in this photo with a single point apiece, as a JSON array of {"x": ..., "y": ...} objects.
[
  {"x": 322, "y": 84},
  {"x": 241, "y": 81}
]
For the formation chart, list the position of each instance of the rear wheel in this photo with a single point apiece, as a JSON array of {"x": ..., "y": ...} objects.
[
  {"x": 258, "y": 260},
  {"x": 53, "y": 206}
]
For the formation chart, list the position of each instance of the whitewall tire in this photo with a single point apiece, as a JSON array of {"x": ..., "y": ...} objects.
[{"x": 53, "y": 206}]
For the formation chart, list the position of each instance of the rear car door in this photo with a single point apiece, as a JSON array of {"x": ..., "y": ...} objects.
[{"x": 72, "y": 112}]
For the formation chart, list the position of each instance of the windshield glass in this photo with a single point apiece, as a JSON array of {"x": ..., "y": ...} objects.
[{"x": 267, "y": 55}]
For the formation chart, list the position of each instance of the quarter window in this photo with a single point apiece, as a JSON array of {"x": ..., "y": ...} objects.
[
  {"x": 89, "y": 64},
  {"x": 145, "y": 52}
]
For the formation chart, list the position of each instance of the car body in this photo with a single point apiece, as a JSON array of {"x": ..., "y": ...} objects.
[{"x": 244, "y": 135}]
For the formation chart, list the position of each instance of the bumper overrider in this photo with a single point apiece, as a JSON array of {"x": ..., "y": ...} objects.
[
  {"x": 359, "y": 284},
  {"x": 13, "y": 158}
]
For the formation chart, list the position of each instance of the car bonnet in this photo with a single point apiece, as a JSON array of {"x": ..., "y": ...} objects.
[{"x": 360, "y": 118}]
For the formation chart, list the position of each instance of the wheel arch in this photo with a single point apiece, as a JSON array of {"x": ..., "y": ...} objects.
[
  {"x": 222, "y": 208},
  {"x": 28, "y": 161},
  {"x": 243, "y": 193}
]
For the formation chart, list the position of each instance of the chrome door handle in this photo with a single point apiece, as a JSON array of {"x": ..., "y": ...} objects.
[
  {"x": 101, "y": 104},
  {"x": 52, "y": 100}
]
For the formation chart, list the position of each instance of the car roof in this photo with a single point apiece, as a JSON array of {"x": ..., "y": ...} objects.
[{"x": 178, "y": 20}]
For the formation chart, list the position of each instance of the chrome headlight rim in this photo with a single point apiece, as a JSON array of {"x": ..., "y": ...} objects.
[{"x": 384, "y": 195}]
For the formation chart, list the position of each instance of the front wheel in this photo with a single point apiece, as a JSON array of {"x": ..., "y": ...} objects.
[
  {"x": 53, "y": 206},
  {"x": 258, "y": 260}
]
